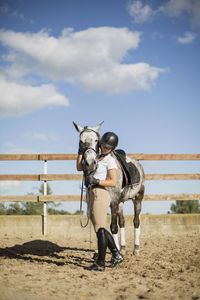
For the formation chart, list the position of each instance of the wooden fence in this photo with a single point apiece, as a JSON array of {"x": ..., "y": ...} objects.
[{"x": 49, "y": 177}]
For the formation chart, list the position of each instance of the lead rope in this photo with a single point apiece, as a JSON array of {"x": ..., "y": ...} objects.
[
  {"x": 81, "y": 212},
  {"x": 88, "y": 214},
  {"x": 90, "y": 236}
]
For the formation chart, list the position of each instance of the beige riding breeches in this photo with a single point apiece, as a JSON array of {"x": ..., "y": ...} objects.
[{"x": 99, "y": 202}]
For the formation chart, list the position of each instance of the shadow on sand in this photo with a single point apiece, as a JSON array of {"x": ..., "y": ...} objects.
[{"x": 33, "y": 251}]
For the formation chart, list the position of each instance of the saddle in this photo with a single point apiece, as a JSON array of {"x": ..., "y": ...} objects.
[{"x": 131, "y": 174}]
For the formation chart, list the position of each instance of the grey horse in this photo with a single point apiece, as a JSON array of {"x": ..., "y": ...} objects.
[{"x": 89, "y": 137}]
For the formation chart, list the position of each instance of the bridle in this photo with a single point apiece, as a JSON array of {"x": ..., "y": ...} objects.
[{"x": 86, "y": 129}]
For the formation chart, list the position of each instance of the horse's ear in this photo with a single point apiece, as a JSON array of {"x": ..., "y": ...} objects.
[
  {"x": 96, "y": 128},
  {"x": 78, "y": 128}
]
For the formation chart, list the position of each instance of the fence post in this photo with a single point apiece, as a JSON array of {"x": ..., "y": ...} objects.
[{"x": 44, "y": 219}]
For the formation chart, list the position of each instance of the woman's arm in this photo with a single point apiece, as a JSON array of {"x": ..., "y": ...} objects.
[
  {"x": 79, "y": 162},
  {"x": 111, "y": 179}
]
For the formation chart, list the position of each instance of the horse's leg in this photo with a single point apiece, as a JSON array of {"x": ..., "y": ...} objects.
[
  {"x": 121, "y": 221},
  {"x": 113, "y": 225},
  {"x": 137, "y": 208},
  {"x": 136, "y": 222}
]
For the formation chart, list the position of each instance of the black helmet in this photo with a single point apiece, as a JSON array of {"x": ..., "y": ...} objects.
[{"x": 109, "y": 140}]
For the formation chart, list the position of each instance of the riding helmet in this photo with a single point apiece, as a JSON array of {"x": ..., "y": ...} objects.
[{"x": 109, "y": 140}]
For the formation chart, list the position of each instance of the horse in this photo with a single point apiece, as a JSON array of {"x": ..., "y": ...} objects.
[{"x": 89, "y": 137}]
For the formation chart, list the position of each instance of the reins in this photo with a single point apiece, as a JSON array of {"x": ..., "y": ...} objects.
[{"x": 81, "y": 211}]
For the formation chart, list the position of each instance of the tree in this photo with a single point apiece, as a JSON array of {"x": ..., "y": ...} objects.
[
  {"x": 77, "y": 212},
  {"x": 41, "y": 190},
  {"x": 36, "y": 208},
  {"x": 49, "y": 192},
  {"x": 52, "y": 211},
  {"x": 2, "y": 209},
  {"x": 32, "y": 208},
  {"x": 14, "y": 209},
  {"x": 186, "y": 207}
]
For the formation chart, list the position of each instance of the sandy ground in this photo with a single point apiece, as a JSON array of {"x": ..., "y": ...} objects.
[{"x": 168, "y": 267}]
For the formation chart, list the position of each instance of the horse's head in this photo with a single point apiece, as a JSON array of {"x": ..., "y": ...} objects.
[
  {"x": 89, "y": 161},
  {"x": 89, "y": 138}
]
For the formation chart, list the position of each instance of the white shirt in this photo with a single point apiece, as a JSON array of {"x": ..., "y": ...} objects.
[{"x": 107, "y": 163}]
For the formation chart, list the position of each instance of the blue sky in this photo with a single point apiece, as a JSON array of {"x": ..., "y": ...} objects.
[{"x": 132, "y": 64}]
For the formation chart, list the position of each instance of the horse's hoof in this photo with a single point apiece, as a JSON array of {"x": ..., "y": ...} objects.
[
  {"x": 123, "y": 250},
  {"x": 136, "y": 250}
]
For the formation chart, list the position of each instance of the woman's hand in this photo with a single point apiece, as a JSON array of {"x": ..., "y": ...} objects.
[
  {"x": 79, "y": 162},
  {"x": 82, "y": 147},
  {"x": 91, "y": 180}
]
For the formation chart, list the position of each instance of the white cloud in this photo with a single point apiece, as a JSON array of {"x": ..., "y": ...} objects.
[
  {"x": 72, "y": 54},
  {"x": 15, "y": 13},
  {"x": 121, "y": 77},
  {"x": 8, "y": 147},
  {"x": 18, "y": 100},
  {"x": 43, "y": 136},
  {"x": 7, "y": 186},
  {"x": 176, "y": 8},
  {"x": 140, "y": 13},
  {"x": 4, "y": 8},
  {"x": 188, "y": 38},
  {"x": 92, "y": 57},
  {"x": 172, "y": 8}
]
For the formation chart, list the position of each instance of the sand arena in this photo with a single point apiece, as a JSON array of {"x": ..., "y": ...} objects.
[{"x": 34, "y": 267}]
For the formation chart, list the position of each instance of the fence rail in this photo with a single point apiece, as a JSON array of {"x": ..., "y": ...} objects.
[
  {"x": 60, "y": 198},
  {"x": 139, "y": 156},
  {"x": 50, "y": 177}
]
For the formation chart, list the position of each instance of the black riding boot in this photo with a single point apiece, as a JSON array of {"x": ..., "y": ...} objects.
[
  {"x": 117, "y": 257},
  {"x": 99, "y": 264}
]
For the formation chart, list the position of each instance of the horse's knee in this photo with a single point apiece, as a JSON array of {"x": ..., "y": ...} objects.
[
  {"x": 114, "y": 228},
  {"x": 136, "y": 222},
  {"x": 121, "y": 222}
]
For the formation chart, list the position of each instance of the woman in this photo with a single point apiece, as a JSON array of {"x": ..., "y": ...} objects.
[{"x": 104, "y": 176}]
